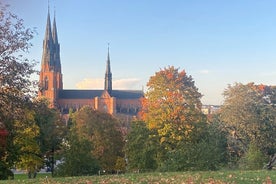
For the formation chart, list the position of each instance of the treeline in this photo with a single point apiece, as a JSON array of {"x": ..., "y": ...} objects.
[{"x": 174, "y": 135}]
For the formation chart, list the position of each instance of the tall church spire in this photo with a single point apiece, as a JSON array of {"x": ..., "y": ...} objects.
[
  {"x": 48, "y": 32},
  {"x": 56, "y": 47},
  {"x": 108, "y": 74},
  {"x": 47, "y": 43},
  {"x": 50, "y": 80},
  {"x": 55, "y": 37}
]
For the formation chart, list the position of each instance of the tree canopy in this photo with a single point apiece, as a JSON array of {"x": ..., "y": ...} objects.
[
  {"x": 15, "y": 69},
  {"x": 174, "y": 127},
  {"x": 29, "y": 123},
  {"x": 76, "y": 157},
  {"x": 172, "y": 105},
  {"x": 102, "y": 130},
  {"x": 140, "y": 148},
  {"x": 16, "y": 87},
  {"x": 249, "y": 116}
]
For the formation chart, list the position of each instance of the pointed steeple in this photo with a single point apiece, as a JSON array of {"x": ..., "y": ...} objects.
[
  {"x": 48, "y": 31},
  {"x": 108, "y": 74},
  {"x": 55, "y": 37},
  {"x": 108, "y": 62},
  {"x": 47, "y": 44},
  {"x": 56, "y": 48}
]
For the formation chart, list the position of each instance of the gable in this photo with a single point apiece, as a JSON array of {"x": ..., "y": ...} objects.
[{"x": 105, "y": 94}]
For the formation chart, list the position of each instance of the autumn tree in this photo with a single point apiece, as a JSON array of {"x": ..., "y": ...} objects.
[
  {"x": 172, "y": 105},
  {"x": 172, "y": 108},
  {"x": 15, "y": 84},
  {"x": 15, "y": 69},
  {"x": 26, "y": 139},
  {"x": 102, "y": 130},
  {"x": 248, "y": 114}
]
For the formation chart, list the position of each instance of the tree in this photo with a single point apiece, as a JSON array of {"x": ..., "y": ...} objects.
[
  {"x": 30, "y": 158},
  {"x": 102, "y": 130},
  {"x": 253, "y": 159},
  {"x": 5, "y": 173},
  {"x": 248, "y": 114},
  {"x": 15, "y": 83},
  {"x": 140, "y": 149},
  {"x": 171, "y": 110},
  {"x": 207, "y": 150},
  {"x": 172, "y": 107},
  {"x": 52, "y": 130},
  {"x": 15, "y": 69},
  {"x": 77, "y": 159}
]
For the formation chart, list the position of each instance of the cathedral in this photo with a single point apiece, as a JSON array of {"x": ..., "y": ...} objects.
[{"x": 126, "y": 102}]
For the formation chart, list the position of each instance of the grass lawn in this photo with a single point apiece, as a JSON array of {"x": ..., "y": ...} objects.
[{"x": 211, "y": 177}]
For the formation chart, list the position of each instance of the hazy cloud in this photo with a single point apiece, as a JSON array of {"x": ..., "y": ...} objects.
[
  {"x": 90, "y": 84},
  {"x": 129, "y": 83}
]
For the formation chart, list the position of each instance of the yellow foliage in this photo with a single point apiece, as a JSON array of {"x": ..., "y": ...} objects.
[{"x": 27, "y": 132}]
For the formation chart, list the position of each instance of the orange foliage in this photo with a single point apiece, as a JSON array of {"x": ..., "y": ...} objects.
[{"x": 261, "y": 87}]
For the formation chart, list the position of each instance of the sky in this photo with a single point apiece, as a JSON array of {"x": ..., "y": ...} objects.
[{"x": 217, "y": 42}]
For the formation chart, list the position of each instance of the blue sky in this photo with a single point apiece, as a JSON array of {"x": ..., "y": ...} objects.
[{"x": 217, "y": 42}]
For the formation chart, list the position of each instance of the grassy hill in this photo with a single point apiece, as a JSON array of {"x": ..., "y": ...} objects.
[{"x": 250, "y": 177}]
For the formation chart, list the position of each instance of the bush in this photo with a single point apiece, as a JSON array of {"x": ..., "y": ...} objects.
[
  {"x": 206, "y": 152},
  {"x": 253, "y": 159}
]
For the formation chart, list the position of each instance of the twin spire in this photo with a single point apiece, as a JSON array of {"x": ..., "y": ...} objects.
[
  {"x": 51, "y": 34},
  {"x": 51, "y": 54},
  {"x": 55, "y": 37},
  {"x": 51, "y": 47},
  {"x": 48, "y": 32}
]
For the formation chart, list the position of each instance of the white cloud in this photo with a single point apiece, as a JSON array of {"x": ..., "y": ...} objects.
[
  {"x": 90, "y": 84},
  {"x": 129, "y": 83}
]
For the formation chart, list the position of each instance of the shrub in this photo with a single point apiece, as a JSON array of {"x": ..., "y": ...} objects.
[{"x": 253, "y": 159}]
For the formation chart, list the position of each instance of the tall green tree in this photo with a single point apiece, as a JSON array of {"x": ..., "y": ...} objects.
[
  {"x": 102, "y": 130},
  {"x": 15, "y": 84},
  {"x": 140, "y": 148},
  {"x": 206, "y": 150},
  {"x": 52, "y": 130},
  {"x": 77, "y": 159},
  {"x": 249, "y": 115}
]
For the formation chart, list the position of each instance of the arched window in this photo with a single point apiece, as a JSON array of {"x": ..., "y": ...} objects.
[
  {"x": 46, "y": 83},
  {"x": 105, "y": 108}
]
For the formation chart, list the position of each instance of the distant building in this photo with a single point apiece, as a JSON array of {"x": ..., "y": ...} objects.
[
  {"x": 51, "y": 84},
  {"x": 210, "y": 109}
]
